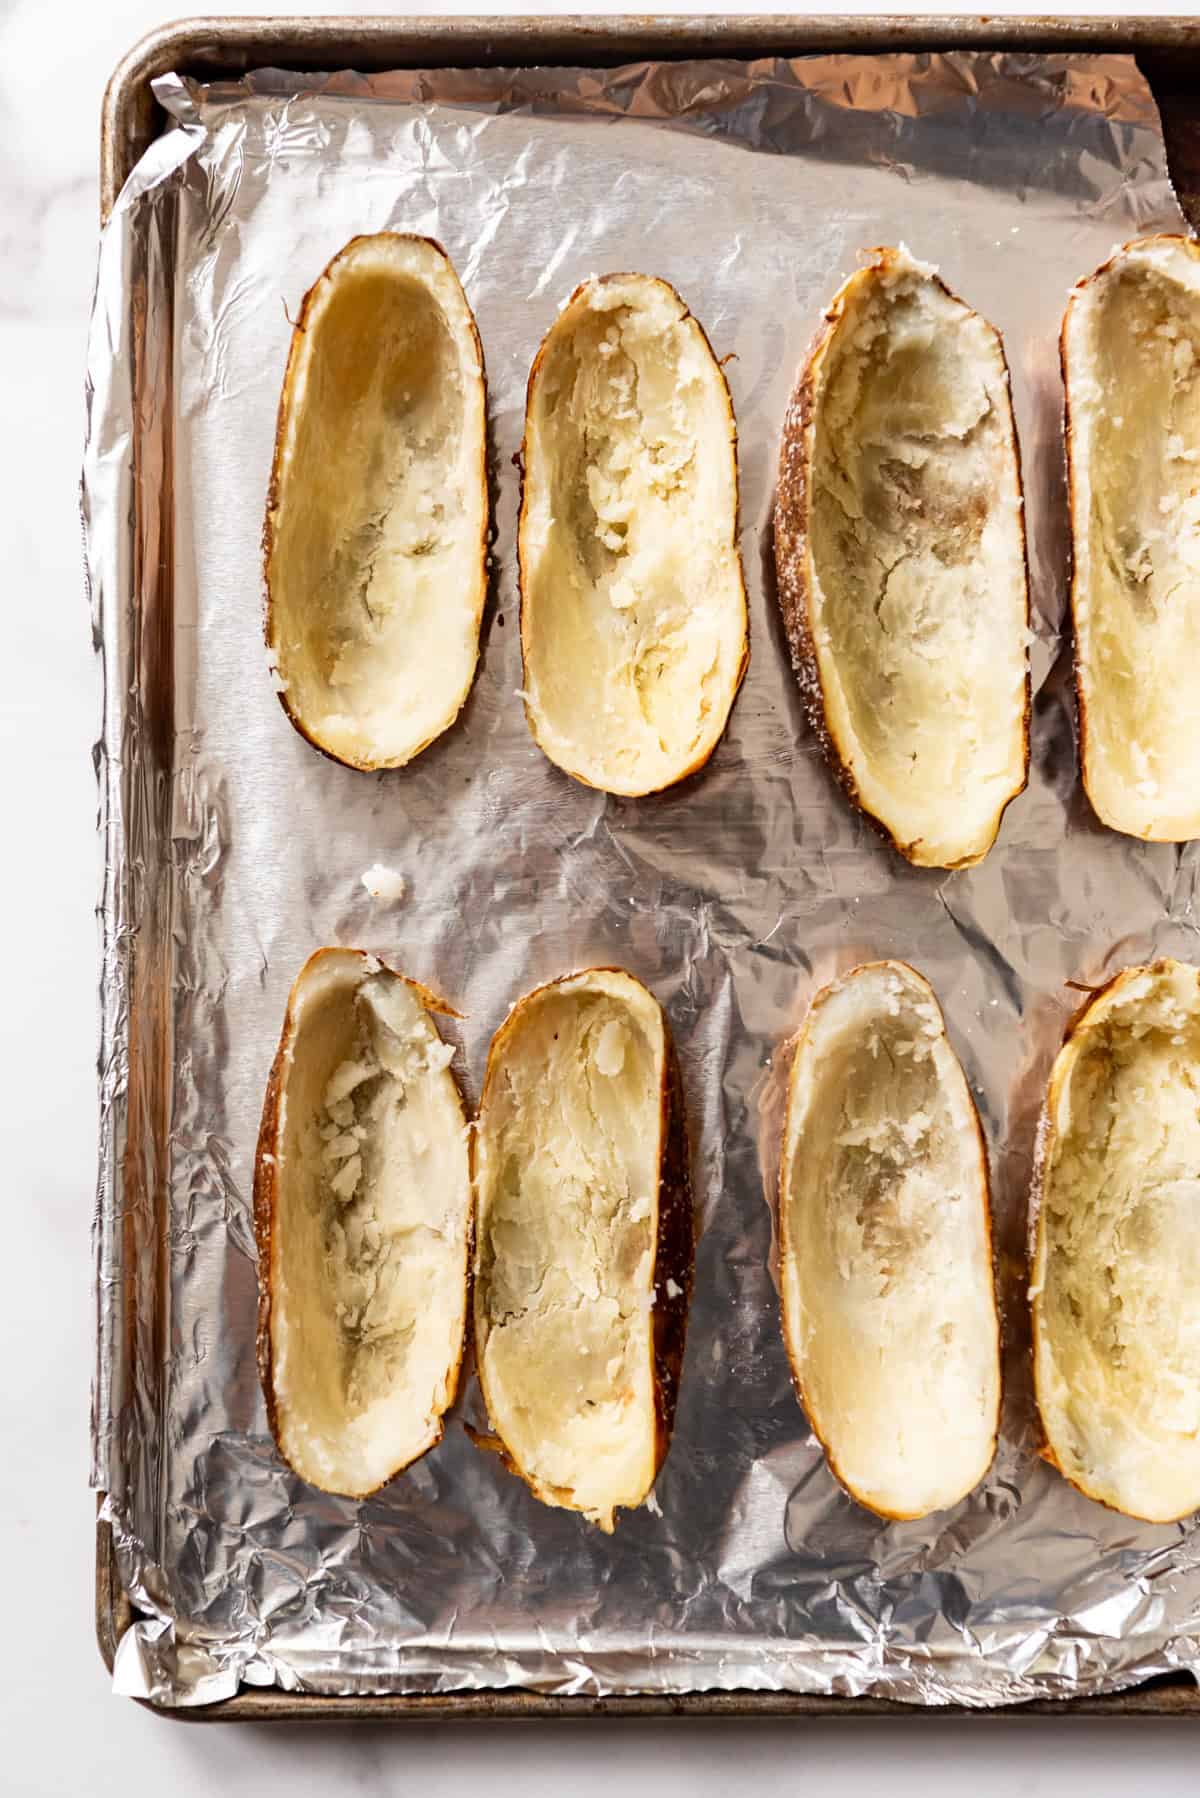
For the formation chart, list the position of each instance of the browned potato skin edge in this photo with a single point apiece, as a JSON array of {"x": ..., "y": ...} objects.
[
  {"x": 1069, "y": 444},
  {"x": 1037, "y": 1189},
  {"x": 523, "y": 459},
  {"x": 266, "y": 1199},
  {"x": 268, "y": 532},
  {"x": 674, "y": 1249},
  {"x": 791, "y": 519},
  {"x": 785, "y": 1250}
]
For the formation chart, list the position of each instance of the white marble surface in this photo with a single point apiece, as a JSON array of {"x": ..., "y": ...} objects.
[{"x": 61, "y": 1730}]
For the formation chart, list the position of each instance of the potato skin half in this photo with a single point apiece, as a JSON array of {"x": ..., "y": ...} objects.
[
  {"x": 791, "y": 535},
  {"x": 1071, "y": 452},
  {"x": 365, "y": 765},
  {"x": 266, "y": 1202},
  {"x": 674, "y": 1247},
  {"x": 1079, "y": 1023},
  {"x": 787, "y": 1249},
  {"x": 701, "y": 760}
]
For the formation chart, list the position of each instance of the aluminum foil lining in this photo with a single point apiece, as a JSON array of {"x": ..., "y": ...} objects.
[{"x": 232, "y": 850}]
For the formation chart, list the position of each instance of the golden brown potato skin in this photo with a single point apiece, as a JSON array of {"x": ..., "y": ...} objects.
[
  {"x": 1094, "y": 1029},
  {"x": 637, "y": 787},
  {"x": 674, "y": 1245},
  {"x": 871, "y": 1500},
  {"x": 279, "y": 472},
  {"x": 792, "y": 529},
  {"x": 266, "y": 1195},
  {"x": 1149, "y": 817}
]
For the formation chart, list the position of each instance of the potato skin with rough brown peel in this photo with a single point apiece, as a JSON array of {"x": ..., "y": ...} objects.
[{"x": 900, "y": 561}]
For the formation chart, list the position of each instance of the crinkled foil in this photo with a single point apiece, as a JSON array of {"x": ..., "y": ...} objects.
[{"x": 232, "y": 850}]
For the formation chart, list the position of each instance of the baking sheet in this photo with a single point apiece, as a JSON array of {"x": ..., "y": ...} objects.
[{"x": 232, "y": 849}]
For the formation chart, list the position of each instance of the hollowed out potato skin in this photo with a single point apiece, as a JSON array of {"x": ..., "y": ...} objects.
[
  {"x": 885, "y": 1247},
  {"x": 900, "y": 560},
  {"x": 584, "y": 1242},
  {"x": 1115, "y": 1246},
  {"x": 363, "y": 1245},
  {"x": 634, "y": 629},
  {"x": 1130, "y": 347},
  {"x": 375, "y": 536}
]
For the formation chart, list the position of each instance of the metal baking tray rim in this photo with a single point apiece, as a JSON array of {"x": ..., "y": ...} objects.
[{"x": 211, "y": 46}]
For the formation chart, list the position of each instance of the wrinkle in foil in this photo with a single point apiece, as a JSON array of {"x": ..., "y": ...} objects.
[{"x": 231, "y": 850}]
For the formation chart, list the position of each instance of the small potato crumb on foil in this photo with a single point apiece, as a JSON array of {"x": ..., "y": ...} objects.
[
  {"x": 384, "y": 883},
  {"x": 232, "y": 849}
]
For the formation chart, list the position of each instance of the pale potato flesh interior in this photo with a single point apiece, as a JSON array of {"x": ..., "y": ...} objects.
[
  {"x": 887, "y": 1279},
  {"x": 1117, "y": 1261},
  {"x": 634, "y": 612},
  {"x": 568, "y": 1157},
  {"x": 1133, "y": 380},
  {"x": 371, "y": 1229},
  {"x": 376, "y": 574},
  {"x": 918, "y": 590}
]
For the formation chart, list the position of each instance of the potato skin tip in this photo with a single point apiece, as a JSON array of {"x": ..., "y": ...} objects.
[{"x": 489, "y": 1443}]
